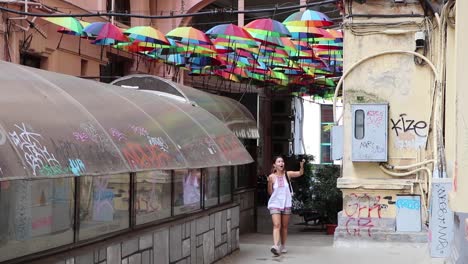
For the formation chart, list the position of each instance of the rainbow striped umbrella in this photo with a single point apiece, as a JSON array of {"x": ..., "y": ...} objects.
[
  {"x": 309, "y": 18},
  {"x": 146, "y": 34}
]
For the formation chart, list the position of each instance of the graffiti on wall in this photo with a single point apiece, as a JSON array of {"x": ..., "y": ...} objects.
[
  {"x": 148, "y": 156},
  {"x": 410, "y": 133},
  {"x": 361, "y": 210},
  {"x": 35, "y": 153}
]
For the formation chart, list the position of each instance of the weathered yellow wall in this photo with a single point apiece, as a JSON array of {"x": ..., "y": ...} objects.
[
  {"x": 459, "y": 197},
  {"x": 394, "y": 79}
]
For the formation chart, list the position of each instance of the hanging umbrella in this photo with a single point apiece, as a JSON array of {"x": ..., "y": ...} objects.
[
  {"x": 105, "y": 33},
  {"x": 188, "y": 35},
  {"x": 263, "y": 25},
  {"x": 146, "y": 34},
  {"x": 67, "y": 24},
  {"x": 309, "y": 18}
]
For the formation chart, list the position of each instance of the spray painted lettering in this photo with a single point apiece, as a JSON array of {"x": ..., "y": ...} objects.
[
  {"x": 48, "y": 170},
  {"x": 140, "y": 131},
  {"x": 158, "y": 141},
  {"x": 81, "y": 136},
  {"x": 361, "y": 210},
  {"x": 374, "y": 118},
  {"x": 442, "y": 236},
  {"x": 77, "y": 166},
  {"x": 408, "y": 204},
  {"x": 35, "y": 155},
  {"x": 149, "y": 156},
  {"x": 404, "y": 125},
  {"x": 115, "y": 133}
]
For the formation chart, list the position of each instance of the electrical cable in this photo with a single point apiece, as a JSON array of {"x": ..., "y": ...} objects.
[{"x": 212, "y": 12}]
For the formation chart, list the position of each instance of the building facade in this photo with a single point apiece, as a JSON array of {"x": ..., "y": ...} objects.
[{"x": 403, "y": 126}]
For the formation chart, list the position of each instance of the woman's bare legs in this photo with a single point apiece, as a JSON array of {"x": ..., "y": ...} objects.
[
  {"x": 284, "y": 228},
  {"x": 276, "y": 218}
]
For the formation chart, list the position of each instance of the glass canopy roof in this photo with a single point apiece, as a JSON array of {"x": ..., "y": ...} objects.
[
  {"x": 56, "y": 125},
  {"x": 233, "y": 114}
]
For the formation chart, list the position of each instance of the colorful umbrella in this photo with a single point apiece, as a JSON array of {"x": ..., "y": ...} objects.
[
  {"x": 263, "y": 25},
  {"x": 67, "y": 24},
  {"x": 309, "y": 18},
  {"x": 146, "y": 34},
  {"x": 188, "y": 35},
  {"x": 105, "y": 33}
]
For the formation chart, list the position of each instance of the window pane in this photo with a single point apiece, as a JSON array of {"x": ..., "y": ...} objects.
[
  {"x": 211, "y": 186},
  {"x": 325, "y": 153},
  {"x": 153, "y": 196},
  {"x": 35, "y": 216},
  {"x": 104, "y": 204},
  {"x": 359, "y": 124},
  {"x": 225, "y": 178},
  {"x": 186, "y": 191},
  {"x": 242, "y": 177}
]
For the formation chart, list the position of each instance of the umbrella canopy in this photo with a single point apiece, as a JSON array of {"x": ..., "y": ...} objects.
[
  {"x": 146, "y": 34},
  {"x": 105, "y": 33},
  {"x": 228, "y": 31},
  {"x": 309, "y": 17},
  {"x": 275, "y": 28},
  {"x": 67, "y": 24},
  {"x": 188, "y": 35}
]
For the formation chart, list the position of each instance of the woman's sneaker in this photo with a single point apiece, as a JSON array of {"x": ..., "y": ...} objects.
[
  {"x": 275, "y": 250},
  {"x": 283, "y": 249}
]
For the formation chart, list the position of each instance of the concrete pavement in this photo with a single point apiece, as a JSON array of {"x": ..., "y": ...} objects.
[{"x": 318, "y": 248}]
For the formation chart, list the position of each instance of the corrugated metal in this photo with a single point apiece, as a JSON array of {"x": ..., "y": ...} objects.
[
  {"x": 233, "y": 114},
  {"x": 56, "y": 125}
]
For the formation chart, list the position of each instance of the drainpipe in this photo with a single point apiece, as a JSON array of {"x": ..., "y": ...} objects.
[{"x": 112, "y": 11}]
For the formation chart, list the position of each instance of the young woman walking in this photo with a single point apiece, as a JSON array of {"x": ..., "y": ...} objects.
[{"x": 280, "y": 202}]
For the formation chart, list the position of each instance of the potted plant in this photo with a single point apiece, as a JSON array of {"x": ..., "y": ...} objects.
[{"x": 328, "y": 199}]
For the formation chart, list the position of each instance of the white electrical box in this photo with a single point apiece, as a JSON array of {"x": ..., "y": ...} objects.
[
  {"x": 337, "y": 142},
  {"x": 369, "y": 132}
]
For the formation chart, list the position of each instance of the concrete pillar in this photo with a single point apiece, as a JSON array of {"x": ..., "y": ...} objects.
[
  {"x": 240, "y": 17},
  {"x": 303, "y": 2}
]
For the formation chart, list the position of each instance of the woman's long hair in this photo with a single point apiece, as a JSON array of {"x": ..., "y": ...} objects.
[{"x": 273, "y": 170}]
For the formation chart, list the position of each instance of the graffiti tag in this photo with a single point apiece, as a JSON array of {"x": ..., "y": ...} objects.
[
  {"x": 35, "y": 154},
  {"x": 404, "y": 125}
]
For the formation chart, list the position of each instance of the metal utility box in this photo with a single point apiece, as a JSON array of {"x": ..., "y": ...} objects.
[
  {"x": 408, "y": 217},
  {"x": 369, "y": 132},
  {"x": 337, "y": 142}
]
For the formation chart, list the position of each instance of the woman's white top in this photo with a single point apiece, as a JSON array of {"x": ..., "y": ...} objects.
[{"x": 281, "y": 198}]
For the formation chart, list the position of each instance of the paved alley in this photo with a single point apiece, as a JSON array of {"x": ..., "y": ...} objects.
[{"x": 318, "y": 248}]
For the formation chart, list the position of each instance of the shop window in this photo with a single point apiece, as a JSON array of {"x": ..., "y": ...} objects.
[
  {"x": 35, "y": 216},
  {"x": 153, "y": 196},
  {"x": 186, "y": 191},
  {"x": 104, "y": 205},
  {"x": 225, "y": 184},
  {"x": 210, "y": 178}
]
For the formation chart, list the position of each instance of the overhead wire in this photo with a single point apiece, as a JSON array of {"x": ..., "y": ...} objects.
[{"x": 212, "y": 12}]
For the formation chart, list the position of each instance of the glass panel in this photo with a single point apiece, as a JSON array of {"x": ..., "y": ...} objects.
[
  {"x": 211, "y": 186},
  {"x": 153, "y": 196},
  {"x": 104, "y": 204},
  {"x": 35, "y": 216},
  {"x": 325, "y": 153},
  {"x": 325, "y": 135},
  {"x": 241, "y": 175},
  {"x": 186, "y": 191},
  {"x": 359, "y": 124},
  {"x": 225, "y": 178}
]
